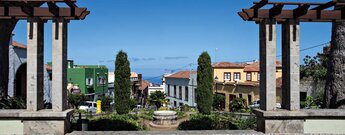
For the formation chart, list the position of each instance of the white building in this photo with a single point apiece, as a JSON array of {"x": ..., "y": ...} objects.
[
  {"x": 153, "y": 88},
  {"x": 180, "y": 88}
]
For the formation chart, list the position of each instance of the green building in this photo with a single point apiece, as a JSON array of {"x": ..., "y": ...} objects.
[{"x": 91, "y": 79}]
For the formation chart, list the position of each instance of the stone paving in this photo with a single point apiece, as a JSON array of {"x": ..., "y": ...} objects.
[{"x": 195, "y": 132}]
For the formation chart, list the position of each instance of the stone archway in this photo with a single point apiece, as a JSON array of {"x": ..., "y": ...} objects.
[{"x": 20, "y": 82}]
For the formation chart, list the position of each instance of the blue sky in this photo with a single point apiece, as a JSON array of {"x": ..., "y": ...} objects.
[{"x": 163, "y": 35}]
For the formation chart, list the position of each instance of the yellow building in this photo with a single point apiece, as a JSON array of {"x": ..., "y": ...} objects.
[{"x": 241, "y": 80}]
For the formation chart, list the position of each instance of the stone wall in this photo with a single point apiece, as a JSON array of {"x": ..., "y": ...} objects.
[{"x": 311, "y": 87}]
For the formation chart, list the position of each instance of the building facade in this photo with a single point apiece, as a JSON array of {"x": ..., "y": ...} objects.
[
  {"x": 180, "y": 88},
  {"x": 241, "y": 80},
  {"x": 155, "y": 87},
  {"x": 18, "y": 73},
  {"x": 91, "y": 79}
]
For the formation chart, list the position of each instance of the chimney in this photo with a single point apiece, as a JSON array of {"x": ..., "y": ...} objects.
[{"x": 140, "y": 78}]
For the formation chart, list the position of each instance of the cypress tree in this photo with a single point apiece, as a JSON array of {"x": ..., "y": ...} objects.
[
  {"x": 122, "y": 83},
  {"x": 205, "y": 82}
]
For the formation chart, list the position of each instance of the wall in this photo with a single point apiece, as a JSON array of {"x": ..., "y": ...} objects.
[
  {"x": 190, "y": 83},
  {"x": 219, "y": 72},
  {"x": 17, "y": 57},
  {"x": 11, "y": 127}
]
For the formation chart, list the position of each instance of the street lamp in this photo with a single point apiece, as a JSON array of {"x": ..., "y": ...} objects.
[{"x": 105, "y": 75}]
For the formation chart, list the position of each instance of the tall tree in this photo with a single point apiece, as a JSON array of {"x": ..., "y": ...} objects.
[
  {"x": 122, "y": 83},
  {"x": 335, "y": 80},
  {"x": 6, "y": 28},
  {"x": 205, "y": 81}
]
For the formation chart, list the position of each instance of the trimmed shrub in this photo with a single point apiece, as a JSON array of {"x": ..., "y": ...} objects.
[
  {"x": 115, "y": 122},
  {"x": 208, "y": 122},
  {"x": 122, "y": 84},
  {"x": 204, "y": 89}
]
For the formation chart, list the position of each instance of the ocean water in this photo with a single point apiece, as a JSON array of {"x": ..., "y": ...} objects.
[{"x": 153, "y": 79}]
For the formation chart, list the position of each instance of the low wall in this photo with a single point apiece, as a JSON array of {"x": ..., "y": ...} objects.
[
  {"x": 330, "y": 121},
  {"x": 34, "y": 122}
]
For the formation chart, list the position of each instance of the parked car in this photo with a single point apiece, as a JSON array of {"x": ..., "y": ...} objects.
[
  {"x": 256, "y": 104},
  {"x": 88, "y": 106}
]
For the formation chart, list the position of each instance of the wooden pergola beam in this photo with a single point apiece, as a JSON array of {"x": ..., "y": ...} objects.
[
  {"x": 310, "y": 15},
  {"x": 37, "y": 0},
  {"x": 44, "y": 13}
]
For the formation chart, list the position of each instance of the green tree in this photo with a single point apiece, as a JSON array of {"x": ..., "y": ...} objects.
[
  {"x": 106, "y": 100},
  {"x": 122, "y": 83},
  {"x": 76, "y": 99},
  {"x": 205, "y": 84},
  {"x": 157, "y": 98},
  {"x": 218, "y": 100},
  {"x": 238, "y": 105}
]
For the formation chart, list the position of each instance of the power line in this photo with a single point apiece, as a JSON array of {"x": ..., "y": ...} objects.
[{"x": 312, "y": 47}]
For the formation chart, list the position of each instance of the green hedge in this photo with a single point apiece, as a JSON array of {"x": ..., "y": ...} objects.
[
  {"x": 216, "y": 122},
  {"x": 115, "y": 122}
]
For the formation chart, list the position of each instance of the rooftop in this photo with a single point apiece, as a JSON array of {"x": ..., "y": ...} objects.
[
  {"x": 227, "y": 65},
  {"x": 182, "y": 74}
]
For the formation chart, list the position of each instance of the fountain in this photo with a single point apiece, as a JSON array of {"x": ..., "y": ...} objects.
[{"x": 164, "y": 119}]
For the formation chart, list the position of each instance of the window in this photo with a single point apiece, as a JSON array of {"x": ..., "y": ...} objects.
[
  {"x": 101, "y": 80},
  {"x": 240, "y": 95},
  {"x": 89, "y": 82},
  {"x": 237, "y": 76},
  {"x": 249, "y": 76},
  {"x": 168, "y": 89},
  {"x": 186, "y": 93},
  {"x": 180, "y": 92},
  {"x": 175, "y": 91},
  {"x": 227, "y": 76},
  {"x": 181, "y": 104}
]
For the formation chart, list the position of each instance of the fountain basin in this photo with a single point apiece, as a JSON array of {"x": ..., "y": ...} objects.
[{"x": 164, "y": 117}]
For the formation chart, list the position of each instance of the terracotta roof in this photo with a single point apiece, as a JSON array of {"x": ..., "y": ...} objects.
[
  {"x": 255, "y": 66},
  {"x": 133, "y": 74},
  {"x": 144, "y": 85},
  {"x": 227, "y": 65},
  {"x": 182, "y": 74},
  {"x": 19, "y": 45}
]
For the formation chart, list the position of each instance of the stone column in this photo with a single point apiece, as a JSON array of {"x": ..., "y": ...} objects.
[
  {"x": 267, "y": 65},
  {"x": 291, "y": 65},
  {"x": 59, "y": 82},
  {"x": 35, "y": 53}
]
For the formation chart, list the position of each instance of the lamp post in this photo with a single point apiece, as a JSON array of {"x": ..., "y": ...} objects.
[{"x": 105, "y": 75}]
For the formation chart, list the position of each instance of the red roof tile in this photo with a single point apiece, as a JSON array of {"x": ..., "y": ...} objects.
[
  {"x": 19, "y": 45},
  {"x": 182, "y": 74},
  {"x": 255, "y": 66},
  {"x": 144, "y": 85},
  {"x": 227, "y": 65}
]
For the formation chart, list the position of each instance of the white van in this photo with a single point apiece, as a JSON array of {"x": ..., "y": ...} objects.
[{"x": 88, "y": 106}]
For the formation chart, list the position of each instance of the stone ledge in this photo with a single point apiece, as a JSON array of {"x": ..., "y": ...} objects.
[
  {"x": 9, "y": 113},
  {"x": 46, "y": 114},
  {"x": 302, "y": 114}
]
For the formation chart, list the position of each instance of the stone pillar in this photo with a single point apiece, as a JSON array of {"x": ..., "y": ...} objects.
[
  {"x": 227, "y": 101},
  {"x": 59, "y": 82},
  {"x": 35, "y": 53},
  {"x": 267, "y": 65},
  {"x": 291, "y": 65}
]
